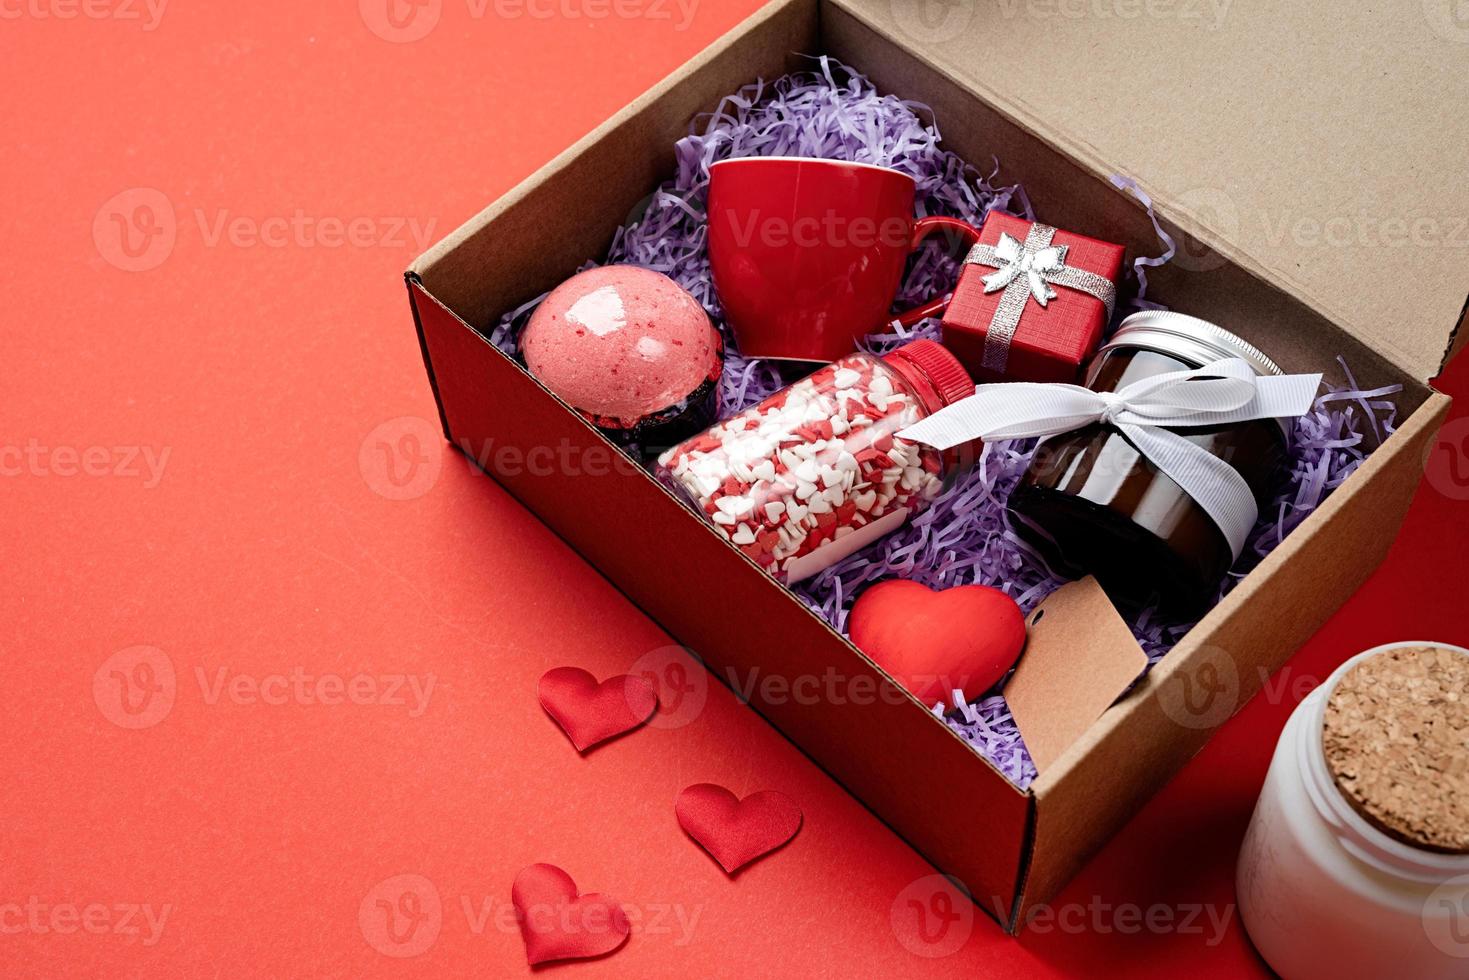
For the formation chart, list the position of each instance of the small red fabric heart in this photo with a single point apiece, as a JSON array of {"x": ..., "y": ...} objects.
[
  {"x": 557, "y": 923},
  {"x": 932, "y": 642},
  {"x": 589, "y": 712},
  {"x": 734, "y": 831}
]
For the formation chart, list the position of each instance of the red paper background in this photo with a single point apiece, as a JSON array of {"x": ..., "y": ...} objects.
[{"x": 277, "y": 368}]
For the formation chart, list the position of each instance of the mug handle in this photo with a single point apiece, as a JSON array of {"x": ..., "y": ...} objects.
[{"x": 931, "y": 226}]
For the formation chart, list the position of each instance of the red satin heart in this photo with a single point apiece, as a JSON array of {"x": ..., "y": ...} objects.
[
  {"x": 589, "y": 712},
  {"x": 557, "y": 923},
  {"x": 932, "y": 642},
  {"x": 734, "y": 831}
]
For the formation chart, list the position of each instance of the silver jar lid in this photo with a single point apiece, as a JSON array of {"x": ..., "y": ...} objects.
[{"x": 1188, "y": 338}]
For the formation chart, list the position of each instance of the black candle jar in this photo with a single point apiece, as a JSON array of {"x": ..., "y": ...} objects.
[{"x": 1090, "y": 503}]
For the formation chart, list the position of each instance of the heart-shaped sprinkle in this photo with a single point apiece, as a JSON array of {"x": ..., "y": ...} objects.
[
  {"x": 734, "y": 831},
  {"x": 557, "y": 923},
  {"x": 590, "y": 712}
]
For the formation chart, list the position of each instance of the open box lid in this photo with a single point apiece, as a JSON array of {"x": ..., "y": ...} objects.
[{"x": 1323, "y": 150}]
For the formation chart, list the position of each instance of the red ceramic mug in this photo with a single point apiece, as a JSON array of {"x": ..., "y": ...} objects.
[{"x": 808, "y": 254}]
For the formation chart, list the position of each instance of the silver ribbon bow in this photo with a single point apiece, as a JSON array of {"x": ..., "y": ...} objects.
[
  {"x": 1221, "y": 393},
  {"x": 1026, "y": 271}
]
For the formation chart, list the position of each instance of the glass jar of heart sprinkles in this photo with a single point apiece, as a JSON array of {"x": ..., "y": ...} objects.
[{"x": 816, "y": 471}]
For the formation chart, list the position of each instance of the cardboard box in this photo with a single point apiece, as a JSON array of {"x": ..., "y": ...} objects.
[{"x": 1009, "y": 87}]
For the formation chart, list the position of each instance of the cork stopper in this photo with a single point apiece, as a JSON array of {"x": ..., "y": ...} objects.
[{"x": 1396, "y": 739}]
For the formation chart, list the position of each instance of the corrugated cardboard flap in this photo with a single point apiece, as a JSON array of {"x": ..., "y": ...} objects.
[{"x": 1322, "y": 150}]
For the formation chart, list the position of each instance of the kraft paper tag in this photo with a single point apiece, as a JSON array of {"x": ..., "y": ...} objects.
[{"x": 1079, "y": 658}]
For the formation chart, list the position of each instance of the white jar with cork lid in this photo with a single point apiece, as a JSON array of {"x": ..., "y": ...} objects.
[{"x": 1356, "y": 863}]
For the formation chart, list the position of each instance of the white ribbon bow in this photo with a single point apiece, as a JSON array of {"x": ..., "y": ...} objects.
[
  {"x": 1218, "y": 394},
  {"x": 1016, "y": 261}
]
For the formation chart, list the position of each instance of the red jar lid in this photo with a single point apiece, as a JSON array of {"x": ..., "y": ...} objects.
[
  {"x": 940, "y": 380},
  {"x": 939, "y": 369}
]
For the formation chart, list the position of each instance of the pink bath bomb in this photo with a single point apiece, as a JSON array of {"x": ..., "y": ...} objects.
[{"x": 621, "y": 343}]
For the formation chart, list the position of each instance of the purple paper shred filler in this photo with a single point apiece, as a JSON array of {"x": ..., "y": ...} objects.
[
  {"x": 1143, "y": 263},
  {"x": 964, "y": 537}
]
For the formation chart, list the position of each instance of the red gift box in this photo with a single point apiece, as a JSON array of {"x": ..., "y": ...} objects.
[{"x": 1032, "y": 301}]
